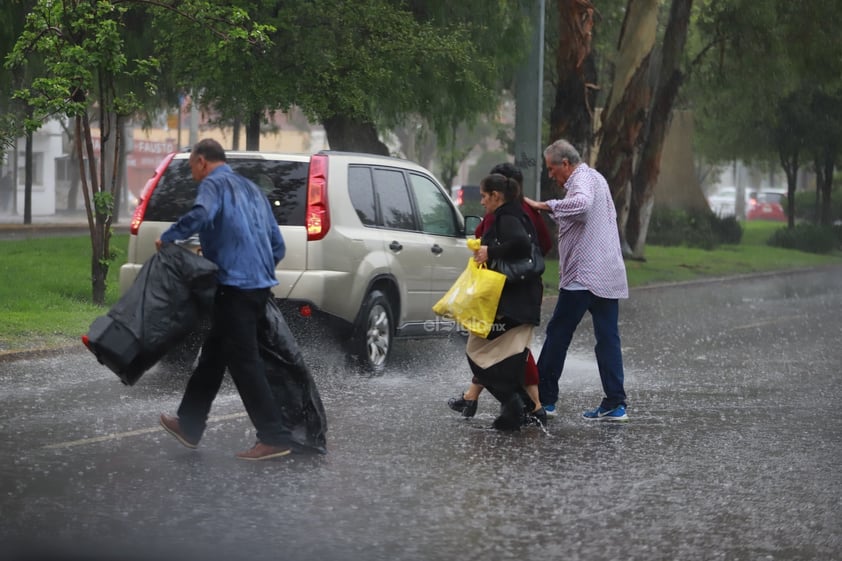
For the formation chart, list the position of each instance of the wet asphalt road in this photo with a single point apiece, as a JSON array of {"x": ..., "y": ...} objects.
[{"x": 732, "y": 452}]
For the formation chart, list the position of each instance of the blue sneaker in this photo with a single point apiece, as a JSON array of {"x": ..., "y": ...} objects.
[
  {"x": 550, "y": 411},
  {"x": 603, "y": 414}
]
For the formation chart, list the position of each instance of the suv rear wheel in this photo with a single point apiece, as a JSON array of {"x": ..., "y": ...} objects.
[{"x": 371, "y": 342}]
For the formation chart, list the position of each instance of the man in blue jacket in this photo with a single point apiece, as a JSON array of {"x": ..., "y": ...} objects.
[{"x": 239, "y": 233}]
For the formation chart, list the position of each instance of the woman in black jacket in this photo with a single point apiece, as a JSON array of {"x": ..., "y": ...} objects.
[{"x": 499, "y": 361}]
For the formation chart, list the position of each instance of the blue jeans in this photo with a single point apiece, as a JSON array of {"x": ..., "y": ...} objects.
[{"x": 569, "y": 311}]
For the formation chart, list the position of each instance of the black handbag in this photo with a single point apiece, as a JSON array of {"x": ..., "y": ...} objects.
[{"x": 522, "y": 269}]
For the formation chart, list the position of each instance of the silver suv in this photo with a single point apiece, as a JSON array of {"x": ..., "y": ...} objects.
[{"x": 372, "y": 242}]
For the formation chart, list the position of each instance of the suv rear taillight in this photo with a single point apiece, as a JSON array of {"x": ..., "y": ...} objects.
[
  {"x": 145, "y": 195},
  {"x": 317, "y": 217},
  {"x": 459, "y": 197}
]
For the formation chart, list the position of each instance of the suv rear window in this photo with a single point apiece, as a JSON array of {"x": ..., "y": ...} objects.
[
  {"x": 770, "y": 198},
  {"x": 285, "y": 184}
]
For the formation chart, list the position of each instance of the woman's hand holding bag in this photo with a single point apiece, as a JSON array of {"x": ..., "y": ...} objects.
[{"x": 472, "y": 300}]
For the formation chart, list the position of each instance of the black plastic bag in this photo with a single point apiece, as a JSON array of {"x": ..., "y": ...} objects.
[
  {"x": 172, "y": 291},
  {"x": 292, "y": 384}
]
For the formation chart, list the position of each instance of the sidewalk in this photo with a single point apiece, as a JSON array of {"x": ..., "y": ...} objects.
[{"x": 61, "y": 223}]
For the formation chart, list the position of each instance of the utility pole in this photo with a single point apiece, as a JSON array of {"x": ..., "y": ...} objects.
[
  {"x": 194, "y": 120},
  {"x": 529, "y": 87}
]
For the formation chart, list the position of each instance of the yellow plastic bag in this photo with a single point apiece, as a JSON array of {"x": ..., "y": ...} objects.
[{"x": 473, "y": 298}]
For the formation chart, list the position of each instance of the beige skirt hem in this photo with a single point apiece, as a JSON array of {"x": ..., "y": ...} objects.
[{"x": 486, "y": 353}]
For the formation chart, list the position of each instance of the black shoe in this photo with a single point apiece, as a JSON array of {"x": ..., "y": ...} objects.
[
  {"x": 468, "y": 407},
  {"x": 507, "y": 424},
  {"x": 537, "y": 418},
  {"x": 512, "y": 415}
]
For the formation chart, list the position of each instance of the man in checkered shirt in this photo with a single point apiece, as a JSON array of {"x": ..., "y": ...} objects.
[{"x": 592, "y": 278}]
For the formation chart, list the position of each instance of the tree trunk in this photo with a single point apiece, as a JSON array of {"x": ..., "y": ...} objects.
[
  {"x": 678, "y": 185},
  {"x": 121, "y": 189},
  {"x": 649, "y": 165},
  {"x": 637, "y": 38},
  {"x": 824, "y": 183},
  {"x": 625, "y": 112},
  {"x": 72, "y": 171},
  {"x": 73, "y": 192},
  {"x": 619, "y": 136},
  {"x": 235, "y": 135},
  {"x": 110, "y": 155},
  {"x": 90, "y": 190},
  {"x": 104, "y": 188},
  {"x": 253, "y": 131},
  {"x": 790, "y": 164},
  {"x": 571, "y": 117},
  {"x": 344, "y": 133},
  {"x": 27, "y": 180}
]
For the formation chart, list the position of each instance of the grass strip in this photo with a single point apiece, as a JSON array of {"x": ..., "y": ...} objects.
[{"x": 46, "y": 293}]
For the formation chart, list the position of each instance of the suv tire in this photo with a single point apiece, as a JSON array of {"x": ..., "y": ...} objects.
[{"x": 371, "y": 342}]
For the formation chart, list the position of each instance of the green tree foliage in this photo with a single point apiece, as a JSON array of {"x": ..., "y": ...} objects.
[
  {"x": 12, "y": 19},
  {"x": 357, "y": 66},
  {"x": 81, "y": 45},
  {"x": 770, "y": 85}
]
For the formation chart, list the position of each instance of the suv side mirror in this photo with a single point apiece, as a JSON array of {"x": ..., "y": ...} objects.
[{"x": 471, "y": 223}]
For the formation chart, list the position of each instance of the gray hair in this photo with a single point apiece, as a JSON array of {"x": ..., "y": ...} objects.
[{"x": 562, "y": 150}]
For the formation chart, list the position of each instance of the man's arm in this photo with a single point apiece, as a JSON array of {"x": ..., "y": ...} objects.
[
  {"x": 194, "y": 219},
  {"x": 190, "y": 223},
  {"x": 537, "y": 205}
]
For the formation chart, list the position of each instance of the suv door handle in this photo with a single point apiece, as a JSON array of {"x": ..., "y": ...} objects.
[
  {"x": 395, "y": 246},
  {"x": 436, "y": 249}
]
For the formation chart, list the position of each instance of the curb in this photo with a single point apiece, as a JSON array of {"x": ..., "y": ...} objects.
[
  {"x": 731, "y": 278},
  {"x": 27, "y": 354}
]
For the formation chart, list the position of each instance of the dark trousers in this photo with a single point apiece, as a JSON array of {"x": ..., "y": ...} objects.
[
  {"x": 233, "y": 343},
  {"x": 504, "y": 381},
  {"x": 569, "y": 311}
]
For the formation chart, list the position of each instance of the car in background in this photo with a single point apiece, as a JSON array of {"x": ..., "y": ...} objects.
[
  {"x": 372, "y": 243},
  {"x": 723, "y": 201},
  {"x": 467, "y": 199},
  {"x": 766, "y": 205}
]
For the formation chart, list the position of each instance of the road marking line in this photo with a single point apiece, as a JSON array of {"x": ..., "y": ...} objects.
[{"x": 121, "y": 435}]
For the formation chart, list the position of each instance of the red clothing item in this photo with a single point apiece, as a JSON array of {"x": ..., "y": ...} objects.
[
  {"x": 545, "y": 241},
  {"x": 530, "y": 374},
  {"x": 530, "y": 377}
]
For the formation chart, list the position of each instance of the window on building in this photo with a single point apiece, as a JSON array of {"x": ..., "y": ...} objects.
[{"x": 37, "y": 168}]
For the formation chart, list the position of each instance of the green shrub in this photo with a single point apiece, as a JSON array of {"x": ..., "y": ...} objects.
[
  {"x": 702, "y": 229},
  {"x": 666, "y": 227},
  {"x": 807, "y": 237},
  {"x": 805, "y": 205},
  {"x": 728, "y": 230}
]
